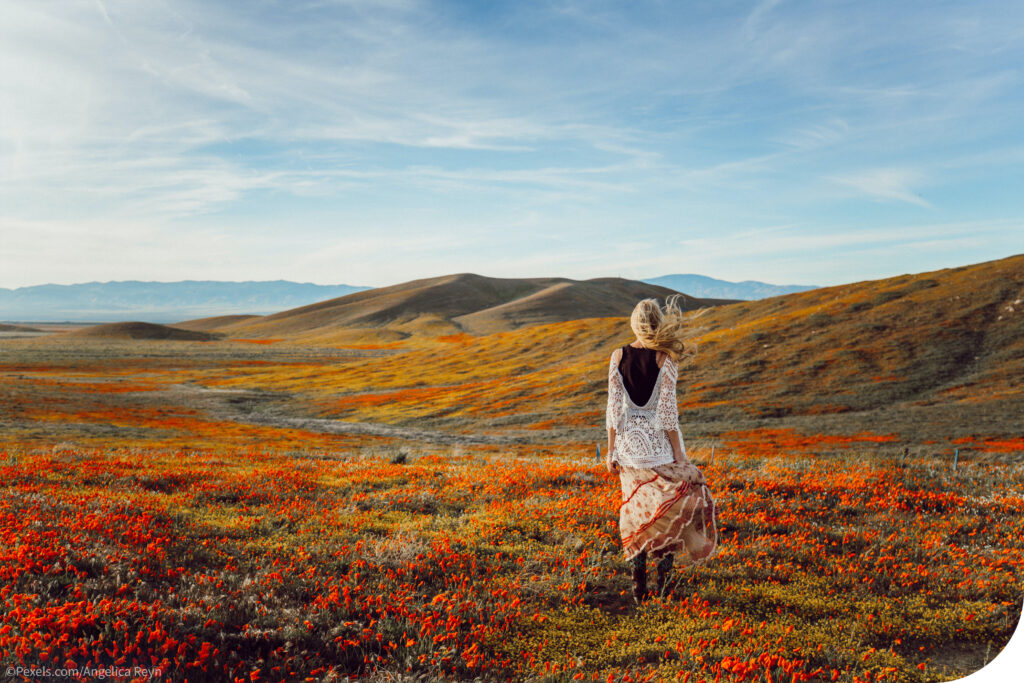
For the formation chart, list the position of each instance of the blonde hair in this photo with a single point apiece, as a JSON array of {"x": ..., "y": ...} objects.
[{"x": 661, "y": 329}]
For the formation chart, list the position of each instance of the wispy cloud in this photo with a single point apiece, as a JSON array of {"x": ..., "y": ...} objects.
[
  {"x": 816, "y": 135},
  {"x": 783, "y": 240},
  {"x": 886, "y": 183}
]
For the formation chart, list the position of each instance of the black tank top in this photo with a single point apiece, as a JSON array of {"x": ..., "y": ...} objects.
[{"x": 639, "y": 369}]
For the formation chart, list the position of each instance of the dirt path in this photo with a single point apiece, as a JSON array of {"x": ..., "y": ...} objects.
[
  {"x": 376, "y": 429},
  {"x": 271, "y": 409}
]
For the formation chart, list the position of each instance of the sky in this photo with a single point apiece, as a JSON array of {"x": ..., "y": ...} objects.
[{"x": 374, "y": 142}]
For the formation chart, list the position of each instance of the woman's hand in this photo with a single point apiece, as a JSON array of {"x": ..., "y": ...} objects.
[
  {"x": 677, "y": 446},
  {"x": 612, "y": 466}
]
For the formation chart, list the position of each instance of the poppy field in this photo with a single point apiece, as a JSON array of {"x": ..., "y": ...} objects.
[
  {"x": 497, "y": 564},
  {"x": 434, "y": 508}
]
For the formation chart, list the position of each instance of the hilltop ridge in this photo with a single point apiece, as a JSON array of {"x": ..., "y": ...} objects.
[{"x": 462, "y": 302}]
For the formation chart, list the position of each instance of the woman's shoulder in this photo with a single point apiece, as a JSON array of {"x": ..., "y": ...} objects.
[
  {"x": 665, "y": 360},
  {"x": 616, "y": 355}
]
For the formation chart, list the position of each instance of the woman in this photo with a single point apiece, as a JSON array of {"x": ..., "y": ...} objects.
[{"x": 667, "y": 509}]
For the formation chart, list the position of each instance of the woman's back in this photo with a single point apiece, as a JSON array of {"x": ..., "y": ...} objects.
[{"x": 639, "y": 370}]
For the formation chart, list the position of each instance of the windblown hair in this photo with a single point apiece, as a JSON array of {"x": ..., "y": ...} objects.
[{"x": 661, "y": 329}]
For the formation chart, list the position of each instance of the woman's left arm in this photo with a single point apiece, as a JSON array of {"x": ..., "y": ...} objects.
[
  {"x": 667, "y": 415},
  {"x": 612, "y": 413}
]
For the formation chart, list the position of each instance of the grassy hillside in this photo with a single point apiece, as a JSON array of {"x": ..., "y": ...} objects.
[
  {"x": 946, "y": 336},
  {"x": 930, "y": 360},
  {"x": 915, "y": 355}
]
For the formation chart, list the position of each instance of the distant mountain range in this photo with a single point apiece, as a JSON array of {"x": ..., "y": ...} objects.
[
  {"x": 159, "y": 301},
  {"x": 708, "y": 287}
]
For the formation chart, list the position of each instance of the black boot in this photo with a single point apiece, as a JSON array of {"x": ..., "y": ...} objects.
[
  {"x": 640, "y": 577},
  {"x": 664, "y": 568}
]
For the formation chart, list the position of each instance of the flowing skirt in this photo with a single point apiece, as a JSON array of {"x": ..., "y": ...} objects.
[{"x": 667, "y": 509}]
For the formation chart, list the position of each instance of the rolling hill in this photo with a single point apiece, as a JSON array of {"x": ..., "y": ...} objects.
[
  {"x": 456, "y": 303},
  {"x": 142, "y": 331},
  {"x": 929, "y": 358},
  {"x": 925, "y": 356}
]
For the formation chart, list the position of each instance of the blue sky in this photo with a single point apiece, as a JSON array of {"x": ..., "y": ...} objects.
[{"x": 371, "y": 143}]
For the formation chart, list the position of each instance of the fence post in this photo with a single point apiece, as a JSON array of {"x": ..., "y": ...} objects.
[
  {"x": 599, "y": 452},
  {"x": 956, "y": 456},
  {"x": 712, "y": 455}
]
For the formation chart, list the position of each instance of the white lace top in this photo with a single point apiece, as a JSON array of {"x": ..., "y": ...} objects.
[{"x": 640, "y": 439}]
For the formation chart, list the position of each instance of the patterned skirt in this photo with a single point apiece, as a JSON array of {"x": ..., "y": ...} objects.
[{"x": 667, "y": 509}]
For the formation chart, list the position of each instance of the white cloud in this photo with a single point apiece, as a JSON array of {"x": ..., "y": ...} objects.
[
  {"x": 817, "y": 135},
  {"x": 886, "y": 183}
]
